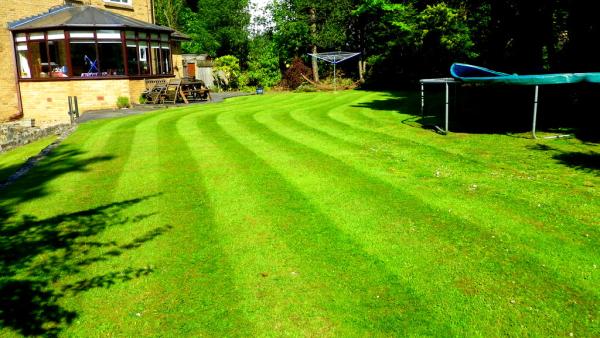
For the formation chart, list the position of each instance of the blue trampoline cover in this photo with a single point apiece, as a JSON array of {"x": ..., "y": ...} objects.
[{"x": 469, "y": 73}]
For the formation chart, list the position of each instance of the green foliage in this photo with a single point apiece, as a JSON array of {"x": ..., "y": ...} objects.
[
  {"x": 291, "y": 33},
  {"x": 167, "y": 12},
  {"x": 305, "y": 88},
  {"x": 217, "y": 27},
  {"x": 421, "y": 38},
  {"x": 228, "y": 72},
  {"x": 220, "y": 26},
  {"x": 123, "y": 102},
  {"x": 446, "y": 28},
  {"x": 203, "y": 40},
  {"x": 263, "y": 62}
]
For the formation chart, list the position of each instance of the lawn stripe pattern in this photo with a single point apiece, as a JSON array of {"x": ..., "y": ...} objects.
[{"x": 329, "y": 214}]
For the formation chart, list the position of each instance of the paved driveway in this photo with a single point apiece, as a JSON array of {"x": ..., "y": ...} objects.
[{"x": 140, "y": 109}]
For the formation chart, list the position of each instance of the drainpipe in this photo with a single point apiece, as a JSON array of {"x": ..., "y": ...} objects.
[
  {"x": 151, "y": 4},
  {"x": 17, "y": 84}
]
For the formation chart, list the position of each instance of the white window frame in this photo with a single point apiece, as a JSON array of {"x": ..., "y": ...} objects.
[{"x": 120, "y": 2}]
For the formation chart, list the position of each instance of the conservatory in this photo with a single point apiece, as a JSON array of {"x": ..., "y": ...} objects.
[
  {"x": 88, "y": 52},
  {"x": 87, "y": 42}
]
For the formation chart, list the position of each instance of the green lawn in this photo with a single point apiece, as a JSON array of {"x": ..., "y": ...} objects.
[
  {"x": 316, "y": 214},
  {"x": 13, "y": 159}
]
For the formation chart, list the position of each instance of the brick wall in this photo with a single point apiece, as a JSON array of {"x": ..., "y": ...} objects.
[
  {"x": 48, "y": 101},
  {"x": 136, "y": 87},
  {"x": 11, "y": 10}
]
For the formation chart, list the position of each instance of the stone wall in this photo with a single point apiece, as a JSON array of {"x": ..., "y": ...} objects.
[{"x": 14, "y": 134}]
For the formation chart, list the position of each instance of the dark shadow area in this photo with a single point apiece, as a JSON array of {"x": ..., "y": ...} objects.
[
  {"x": 6, "y": 171},
  {"x": 588, "y": 162},
  {"x": 37, "y": 253},
  {"x": 501, "y": 109},
  {"x": 62, "y": 160},
  {"x": 409, "y": 103},
  {"x": 405, "y": 102}
]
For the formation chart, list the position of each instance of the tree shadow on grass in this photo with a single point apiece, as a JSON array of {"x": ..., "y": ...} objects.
[
  {"x": 408, "y": 103},
  {"x": 499, "y": 109},
  {"x": 36, "y": 254},
  {"x": 401, "y": 102},
  {"x": 585, "y": 161}
]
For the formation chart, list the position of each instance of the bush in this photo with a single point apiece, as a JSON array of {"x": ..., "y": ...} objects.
[
  {"x": 293, "y": 75},
  {"x": 305, "y": 88},
  {"x": 123, "y": 102},
  {"x": 227, "y": 71}
]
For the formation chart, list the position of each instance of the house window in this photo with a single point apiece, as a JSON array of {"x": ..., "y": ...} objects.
[
  {"x": 92, "y": 53},
  {"x": 122, "y": 2},
  {"x": 84, "y": 59}
]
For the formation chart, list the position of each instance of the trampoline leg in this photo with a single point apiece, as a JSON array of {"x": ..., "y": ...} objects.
[
  {"x": 447, "y": 106},
  {"x": 535, "y": 109},
  {"x": 422, "y": 100}
]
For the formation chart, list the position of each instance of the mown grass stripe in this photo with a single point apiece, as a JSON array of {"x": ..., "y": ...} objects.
[
  {"x": 266, "y": 215},
  {"x": 492, "y": 204},
  {"x": 342, "y": 152},
  {"x": 469, "y": 234},
  {"x": 414, "y": 155},
  {"x": 368, "y": 296},
  {"x": 198, "y": 280}
]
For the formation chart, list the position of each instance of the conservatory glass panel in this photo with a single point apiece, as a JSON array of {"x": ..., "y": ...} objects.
[
  {"x": 111, "y": 57},
  {"x": 24, "y": 71}
]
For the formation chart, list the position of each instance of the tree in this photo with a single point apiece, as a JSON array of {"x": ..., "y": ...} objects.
[
  {"x": 216, "y": 27},
  {"x": 263, "y": 61},
  {"x": 225, "y": 22},
  {"x": 167, "y": 12},
  {"x": 303, "y": 26}
]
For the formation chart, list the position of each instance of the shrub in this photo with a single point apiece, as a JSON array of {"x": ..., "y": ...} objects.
[
  {"x": 293, "y": 75},
  {"x": 123, "y": 102},
  {"x": 227, "y": 71},
  {"x": 305, "y": 88}
]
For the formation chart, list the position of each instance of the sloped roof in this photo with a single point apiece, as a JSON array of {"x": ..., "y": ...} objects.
[
  {"x": 70, "y": 16},
  {"x": 179, "y": 36}
]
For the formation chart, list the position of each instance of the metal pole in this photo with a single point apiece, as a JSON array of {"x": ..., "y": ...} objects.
[
  {"x": 76, "y": 106},
  {"x": 334, "y": 82},
  {"x": 70, "y": 99},
  {"x": 447, "y": 105},
  {"x": 422, "y": 99},
  {"x": 535, "y": 108}
]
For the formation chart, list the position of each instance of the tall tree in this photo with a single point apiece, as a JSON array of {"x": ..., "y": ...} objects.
[
  {"x": 167, "y": 12},
  {"x": 228, "y": 22},
  {"x": 303, "y": 26},
  {"x": 217, "y": 27}
]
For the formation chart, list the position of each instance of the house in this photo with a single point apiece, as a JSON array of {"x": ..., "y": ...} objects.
[{"x": 96, "y": 50}]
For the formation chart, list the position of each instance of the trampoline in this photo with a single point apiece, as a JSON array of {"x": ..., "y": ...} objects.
[{"x": 465, "y": 73}]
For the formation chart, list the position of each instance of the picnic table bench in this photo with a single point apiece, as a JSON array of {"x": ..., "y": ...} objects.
[
  {"x": 194, "y": 90},
  {"x": 175, "y": 90}
]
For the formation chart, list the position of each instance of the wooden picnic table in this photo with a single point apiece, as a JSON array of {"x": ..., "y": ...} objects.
[{"x": 194, "y": 90}]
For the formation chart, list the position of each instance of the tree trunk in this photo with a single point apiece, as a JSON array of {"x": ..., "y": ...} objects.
[
  {"x": 313, "y": 33},
  {"x": 362, "y": 67},
  {"x": 315, "y": 65}
]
